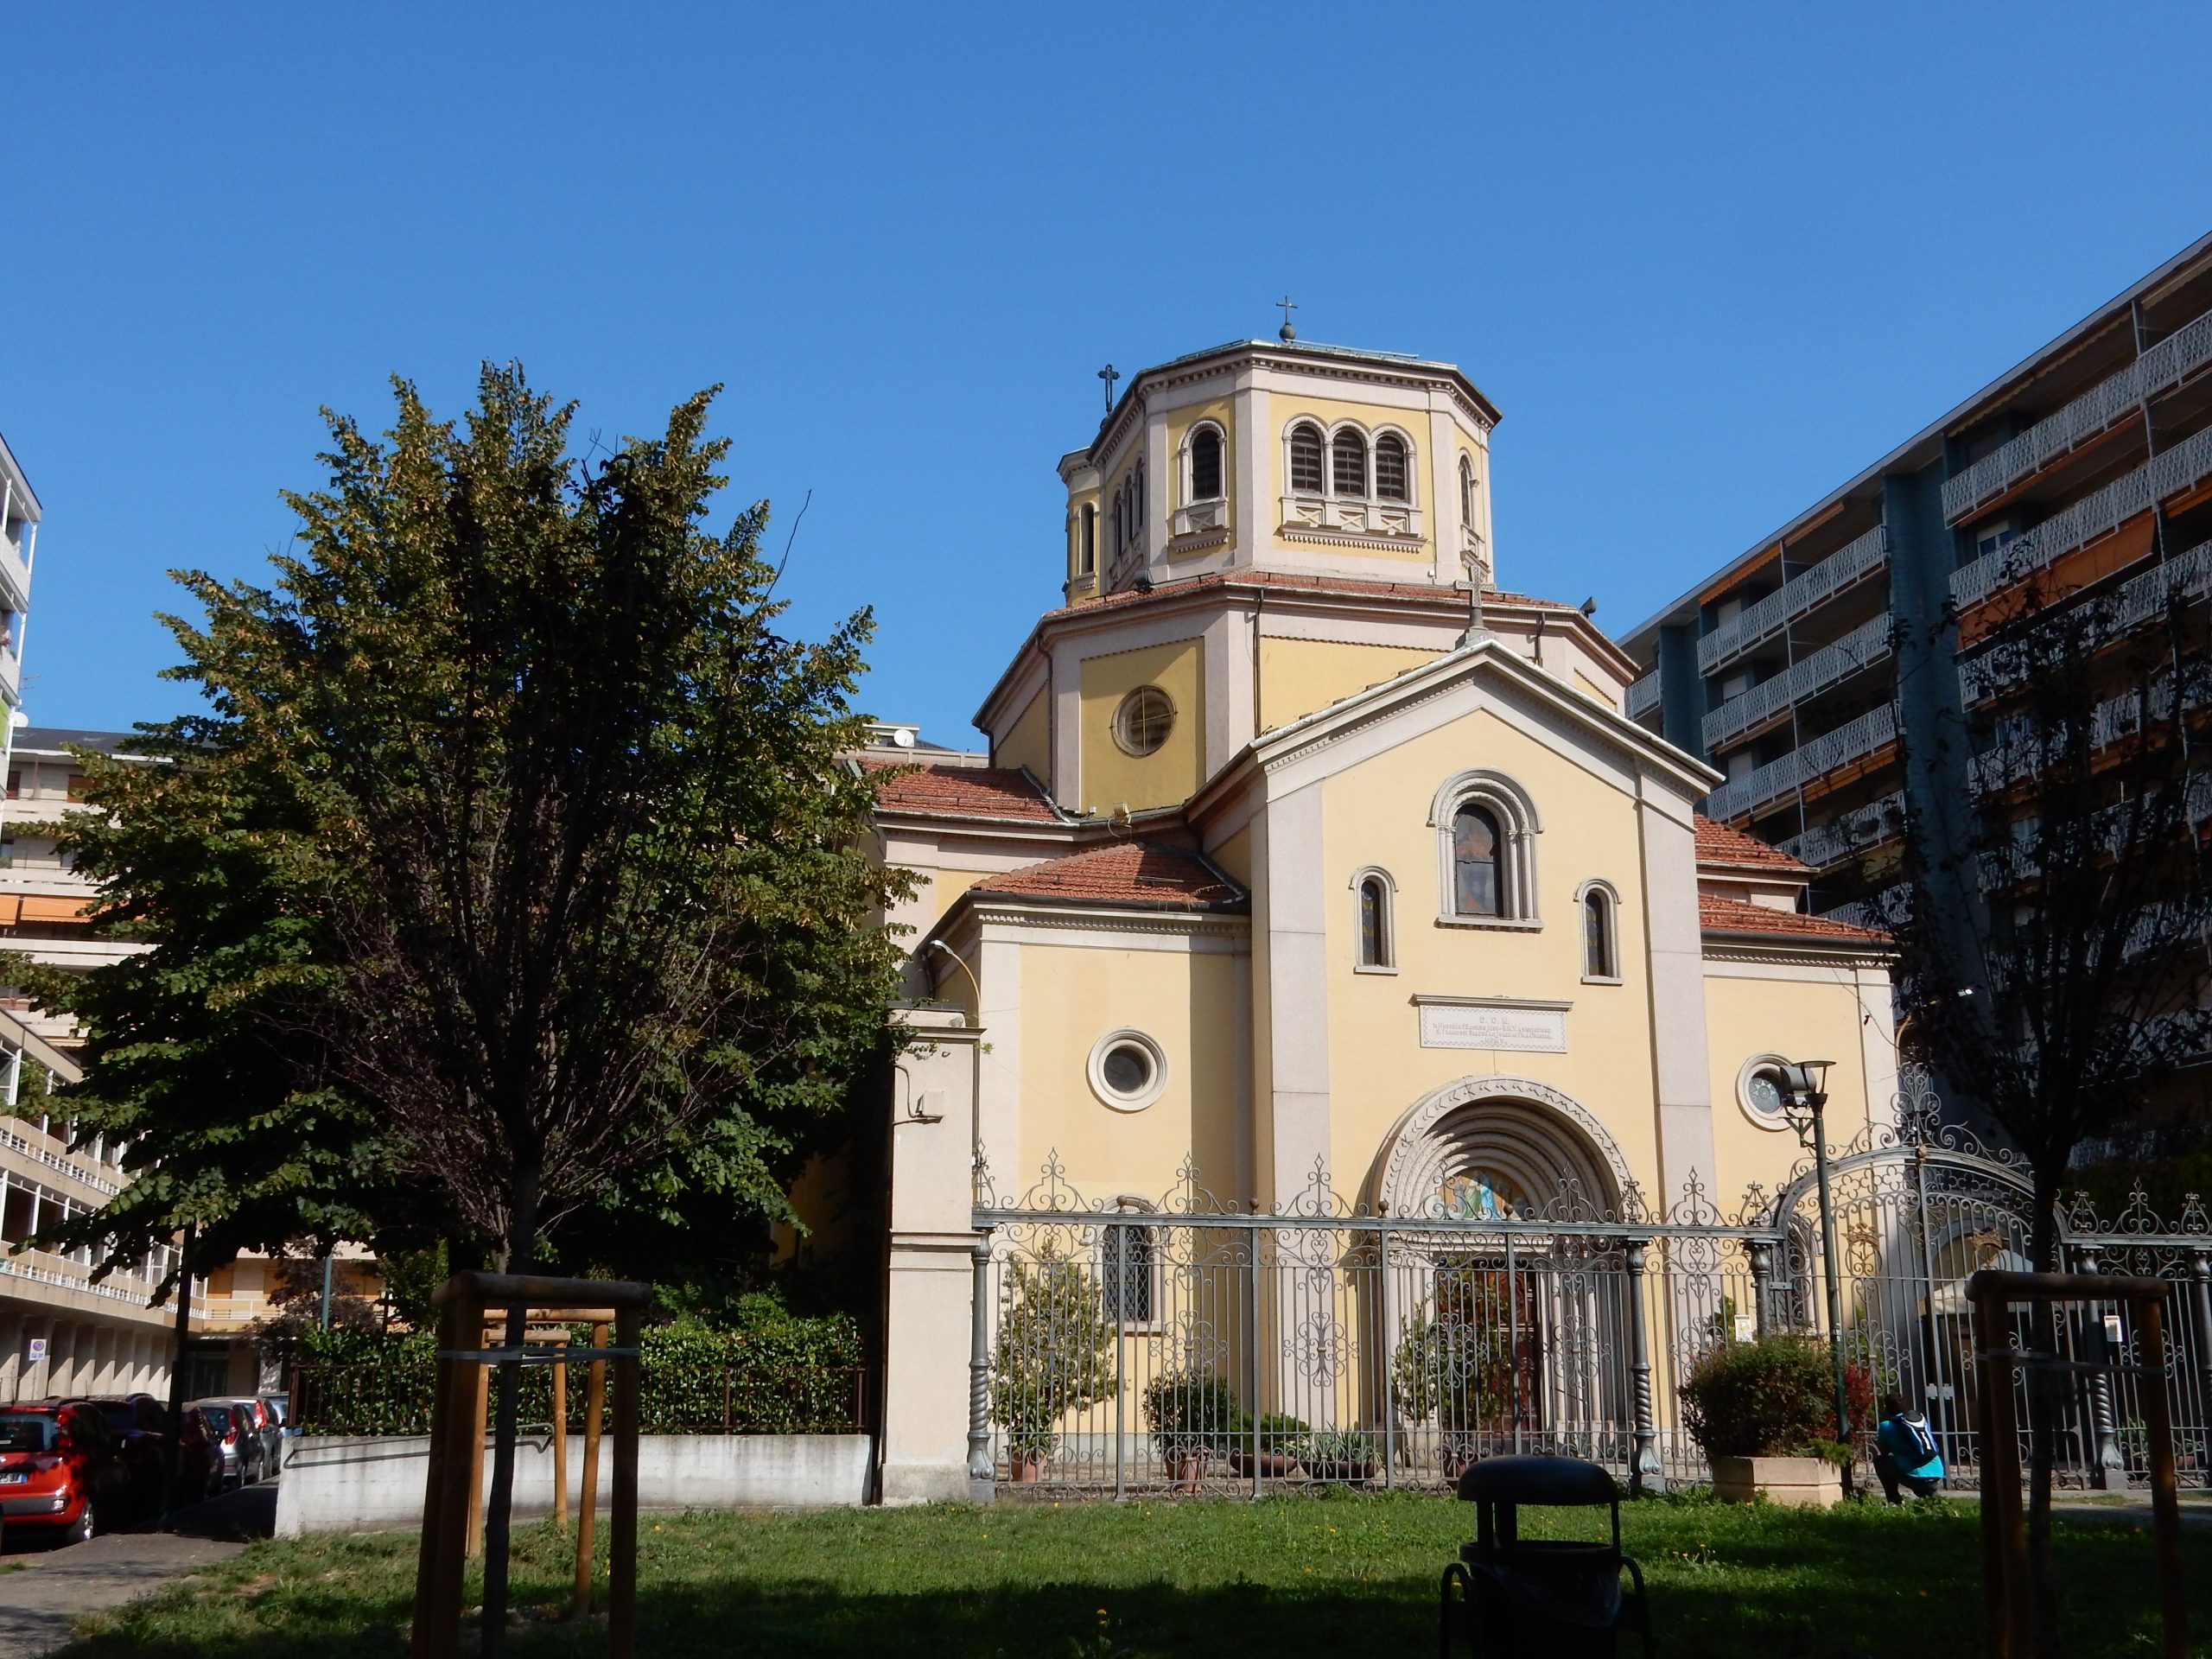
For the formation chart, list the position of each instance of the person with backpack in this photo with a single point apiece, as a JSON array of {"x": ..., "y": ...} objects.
[{"x": 1906, "y": 1454}]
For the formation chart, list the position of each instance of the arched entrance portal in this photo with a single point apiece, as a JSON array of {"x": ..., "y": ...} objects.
[{"x": 1497, "y": 1323}]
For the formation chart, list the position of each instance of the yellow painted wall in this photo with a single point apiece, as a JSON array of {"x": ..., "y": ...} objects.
[
  {"x": 1589, "y": 689},
  {"x": 1192, "y": 1005},
  {"x": 1171, "y": 773},
  {"x": 1298, "y": 676},
  {"x": 1028, "y": 741},
  {"x": 1377, "y": 814},
  {"x": 1797, "y": 1020},
  {"x": 1235, "y": 855}
]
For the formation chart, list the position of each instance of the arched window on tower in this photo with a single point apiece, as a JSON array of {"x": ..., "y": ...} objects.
[
  {"x": 1391, "y": 478},
  {"x": 1476, "y": 855},
  {"x": 1348, "y": 463},
  {"x": 1087, "y": 552},
  {"x": 1205, "y": 464},
  {"x": 1306, "y": 474},
  {"x": 1466, "y": 493}
]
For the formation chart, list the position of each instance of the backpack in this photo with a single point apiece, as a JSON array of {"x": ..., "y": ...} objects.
[{"x": 1916, "y": 1435}]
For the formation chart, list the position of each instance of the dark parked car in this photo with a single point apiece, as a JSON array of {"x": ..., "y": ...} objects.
[
  {"x": 236, "y": 1442},
  {"x": 140, "y": 1426},
  {"x": 61, "y": 1477}
]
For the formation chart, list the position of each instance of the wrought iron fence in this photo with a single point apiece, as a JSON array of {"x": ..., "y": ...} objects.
[{"x": 1193, "y": 1345}]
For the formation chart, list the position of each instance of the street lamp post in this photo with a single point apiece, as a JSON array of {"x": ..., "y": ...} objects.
[{"x": 1804, "y": 1091}]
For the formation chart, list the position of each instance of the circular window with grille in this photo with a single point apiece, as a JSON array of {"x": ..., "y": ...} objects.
[
  {"x": 1127, "y": 1071},
  {"x": 1143, "y": 720},
  {"x": 1759, "y": 1092}
]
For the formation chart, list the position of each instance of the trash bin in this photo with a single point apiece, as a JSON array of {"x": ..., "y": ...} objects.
[{"x": 1506, "y": 1595}]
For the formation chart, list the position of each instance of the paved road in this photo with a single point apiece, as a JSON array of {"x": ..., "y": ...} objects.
[{"x": 39, "y": 1605}]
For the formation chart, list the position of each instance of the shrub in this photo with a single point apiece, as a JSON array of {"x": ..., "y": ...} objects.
[
  {"x": 1772, "y": 1398},
  {"x": 1055, "y": 1354},
  {"x": 1189, "y": 1411},
  {"x": 1346, "y": 1446},
  {"x": 1456, "y": 1369}
]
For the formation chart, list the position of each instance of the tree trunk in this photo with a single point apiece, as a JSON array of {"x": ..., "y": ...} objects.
[
  {"x": 180, "y": 1361},
  {"x": 521, "y": 1237},
  {"x": 2044, "y": 1402}
]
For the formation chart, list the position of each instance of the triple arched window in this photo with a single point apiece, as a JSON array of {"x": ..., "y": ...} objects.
[
  {"x": 1126, "y": 516},
  {"x": 1347, "y": 465}
]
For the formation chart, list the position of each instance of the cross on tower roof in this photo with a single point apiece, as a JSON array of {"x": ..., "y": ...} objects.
[{"x": 1287, "y": 305}]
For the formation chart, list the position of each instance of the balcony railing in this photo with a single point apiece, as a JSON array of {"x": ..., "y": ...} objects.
[
  {"x": 1869, "y": 826},
  {"x": 2186, "y": 576},
  {"x": 2096, "y": 411},
  {"x": 1777, "y": 778},
  {"x": 1795, "y": 598},
  {"x": 1887, "y": 909},
  {"x": 1642, "y": 695},
  {"x": 2185, "y": 465},
  {"x": 1830, "y": 666}
]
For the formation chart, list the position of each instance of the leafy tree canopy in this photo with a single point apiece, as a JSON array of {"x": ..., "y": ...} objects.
[{"x": 511, "y": 873}]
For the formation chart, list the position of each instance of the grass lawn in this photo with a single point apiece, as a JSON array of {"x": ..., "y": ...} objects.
[{"x": 1350, "y": 1574}]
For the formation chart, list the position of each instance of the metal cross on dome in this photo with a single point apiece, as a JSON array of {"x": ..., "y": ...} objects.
[{"x": 1287, "y": 305}]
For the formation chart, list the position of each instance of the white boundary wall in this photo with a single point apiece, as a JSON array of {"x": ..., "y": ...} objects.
[{"x": 347, "y": 1483}]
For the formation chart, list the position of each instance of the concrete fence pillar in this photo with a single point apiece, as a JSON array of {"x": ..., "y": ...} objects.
[{"x": 931, "y": 1311}]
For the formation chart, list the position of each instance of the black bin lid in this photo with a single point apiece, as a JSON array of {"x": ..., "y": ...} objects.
[{"x": 1546, "y": 1482}]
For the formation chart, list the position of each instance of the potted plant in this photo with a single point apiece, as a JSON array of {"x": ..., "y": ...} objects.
[
  {"x": 1349, "y": 1455},
  {"x": 1763, "y": 1413},
  {"x": 1191, "y": 1411},
  {"x": 1054, "y": 1356},
  {"x": 1456, "y": 1370},
  {"x": 1281, "y": 1442}
]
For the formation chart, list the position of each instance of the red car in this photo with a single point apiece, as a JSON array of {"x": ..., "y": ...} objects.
[{"x": 60, "y": 1473}]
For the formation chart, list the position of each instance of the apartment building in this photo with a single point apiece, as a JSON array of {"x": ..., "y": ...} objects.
[{"x": 1796, "y": 667}]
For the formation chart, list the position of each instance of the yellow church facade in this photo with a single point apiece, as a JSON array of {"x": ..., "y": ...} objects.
[{"x": 1308, "y": 867}]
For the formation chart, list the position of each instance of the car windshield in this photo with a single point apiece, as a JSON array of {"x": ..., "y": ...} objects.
[
  {"x": 217, "y": 1418},
  {"x": 26, "y": 1431},
  {"x": 122, "y": 1417}
]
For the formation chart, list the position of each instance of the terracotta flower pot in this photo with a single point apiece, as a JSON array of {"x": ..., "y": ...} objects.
[
  {"x": 1356, "y": 1474},
  {"x": 1272, "y": 1465},
  {"x": 1027, "y": 1466},
  {"x": 1186, "y": 1468}
]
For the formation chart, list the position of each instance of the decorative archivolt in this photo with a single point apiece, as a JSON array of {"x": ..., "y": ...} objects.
[{"x": 1543, "y": 1141}]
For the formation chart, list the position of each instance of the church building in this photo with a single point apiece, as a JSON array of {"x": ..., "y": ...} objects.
[{"x": 1306, "y": 859}]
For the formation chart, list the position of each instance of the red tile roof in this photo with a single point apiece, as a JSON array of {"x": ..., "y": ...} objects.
[
  {"x": 1717, "y": 844},
  {"x": 963, "y": 792},
  {"x": 1126, "y": 872},
  {"x": 1298, "y": 582},
  {"x": 1734, "y": 916}
]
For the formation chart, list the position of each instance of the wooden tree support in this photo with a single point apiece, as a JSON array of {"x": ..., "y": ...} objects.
[
  {"x": 453, "y": 1493},
  {"x": 2008, "y": 1611}
]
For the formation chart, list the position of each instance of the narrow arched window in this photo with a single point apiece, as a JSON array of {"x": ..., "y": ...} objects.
[
  {"x": 1088, "y": 552},
  {"x": 1390, "y": 467},
  {"x": 1374, "y": 923},
  {"x": 1306, "y": 458},
  {"x": 1466, "y": 493},
  {"x": 1130, "y": 1254},
  {"x": 1205, "y": 465},
  {"x": 1600, "y": 958},
  {"x": 1348, "y": 463},
  {"x": 1120, "y": 538},
  {"x": 1476, "y": 850}
]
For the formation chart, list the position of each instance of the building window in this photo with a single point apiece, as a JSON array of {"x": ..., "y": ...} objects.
[
  {"x": 1601, "y": 958},
  {"x": 1127, "y": 1258},
  {"x": 1486, "y": 830},
  {"x": 1759, "y": 1092},
  {"x": 1391, "y": 475},
  {"x": 1466, "y": 493},
  {"x": 1306, "y": 458},
  {"x": 1348, "y": 463},
  {"x": 1087, "y": 550},
  {"x": 1205, "y": 464},
  {"x": 1376, "y": 926},
  {"x": 1476, "y": 849},
  {"x": 1143, "y": 720},
  {"x": 1128, "y": 1070}
]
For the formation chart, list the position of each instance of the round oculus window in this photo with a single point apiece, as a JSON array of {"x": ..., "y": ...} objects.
[
  {"x": 1127, "y": 1071},
  {"x": 1143, "y": 720},
  {"x": 1758, "y": 1091}
]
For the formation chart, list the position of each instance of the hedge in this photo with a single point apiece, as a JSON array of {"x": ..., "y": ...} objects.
[{"x": 779, "y": 1375}]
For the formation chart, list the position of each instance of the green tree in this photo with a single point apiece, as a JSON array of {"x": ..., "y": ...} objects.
[{"x": 1054, "y": 1354}]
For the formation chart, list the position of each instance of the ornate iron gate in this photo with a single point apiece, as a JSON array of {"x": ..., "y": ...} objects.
[{"x": 1180, "y": 1342}]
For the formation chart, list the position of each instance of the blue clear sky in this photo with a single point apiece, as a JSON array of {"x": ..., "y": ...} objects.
[{"x": 1710, "y": 261}]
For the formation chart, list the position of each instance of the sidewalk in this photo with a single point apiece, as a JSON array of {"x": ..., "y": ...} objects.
[{"x": 39, "y": 1605}]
